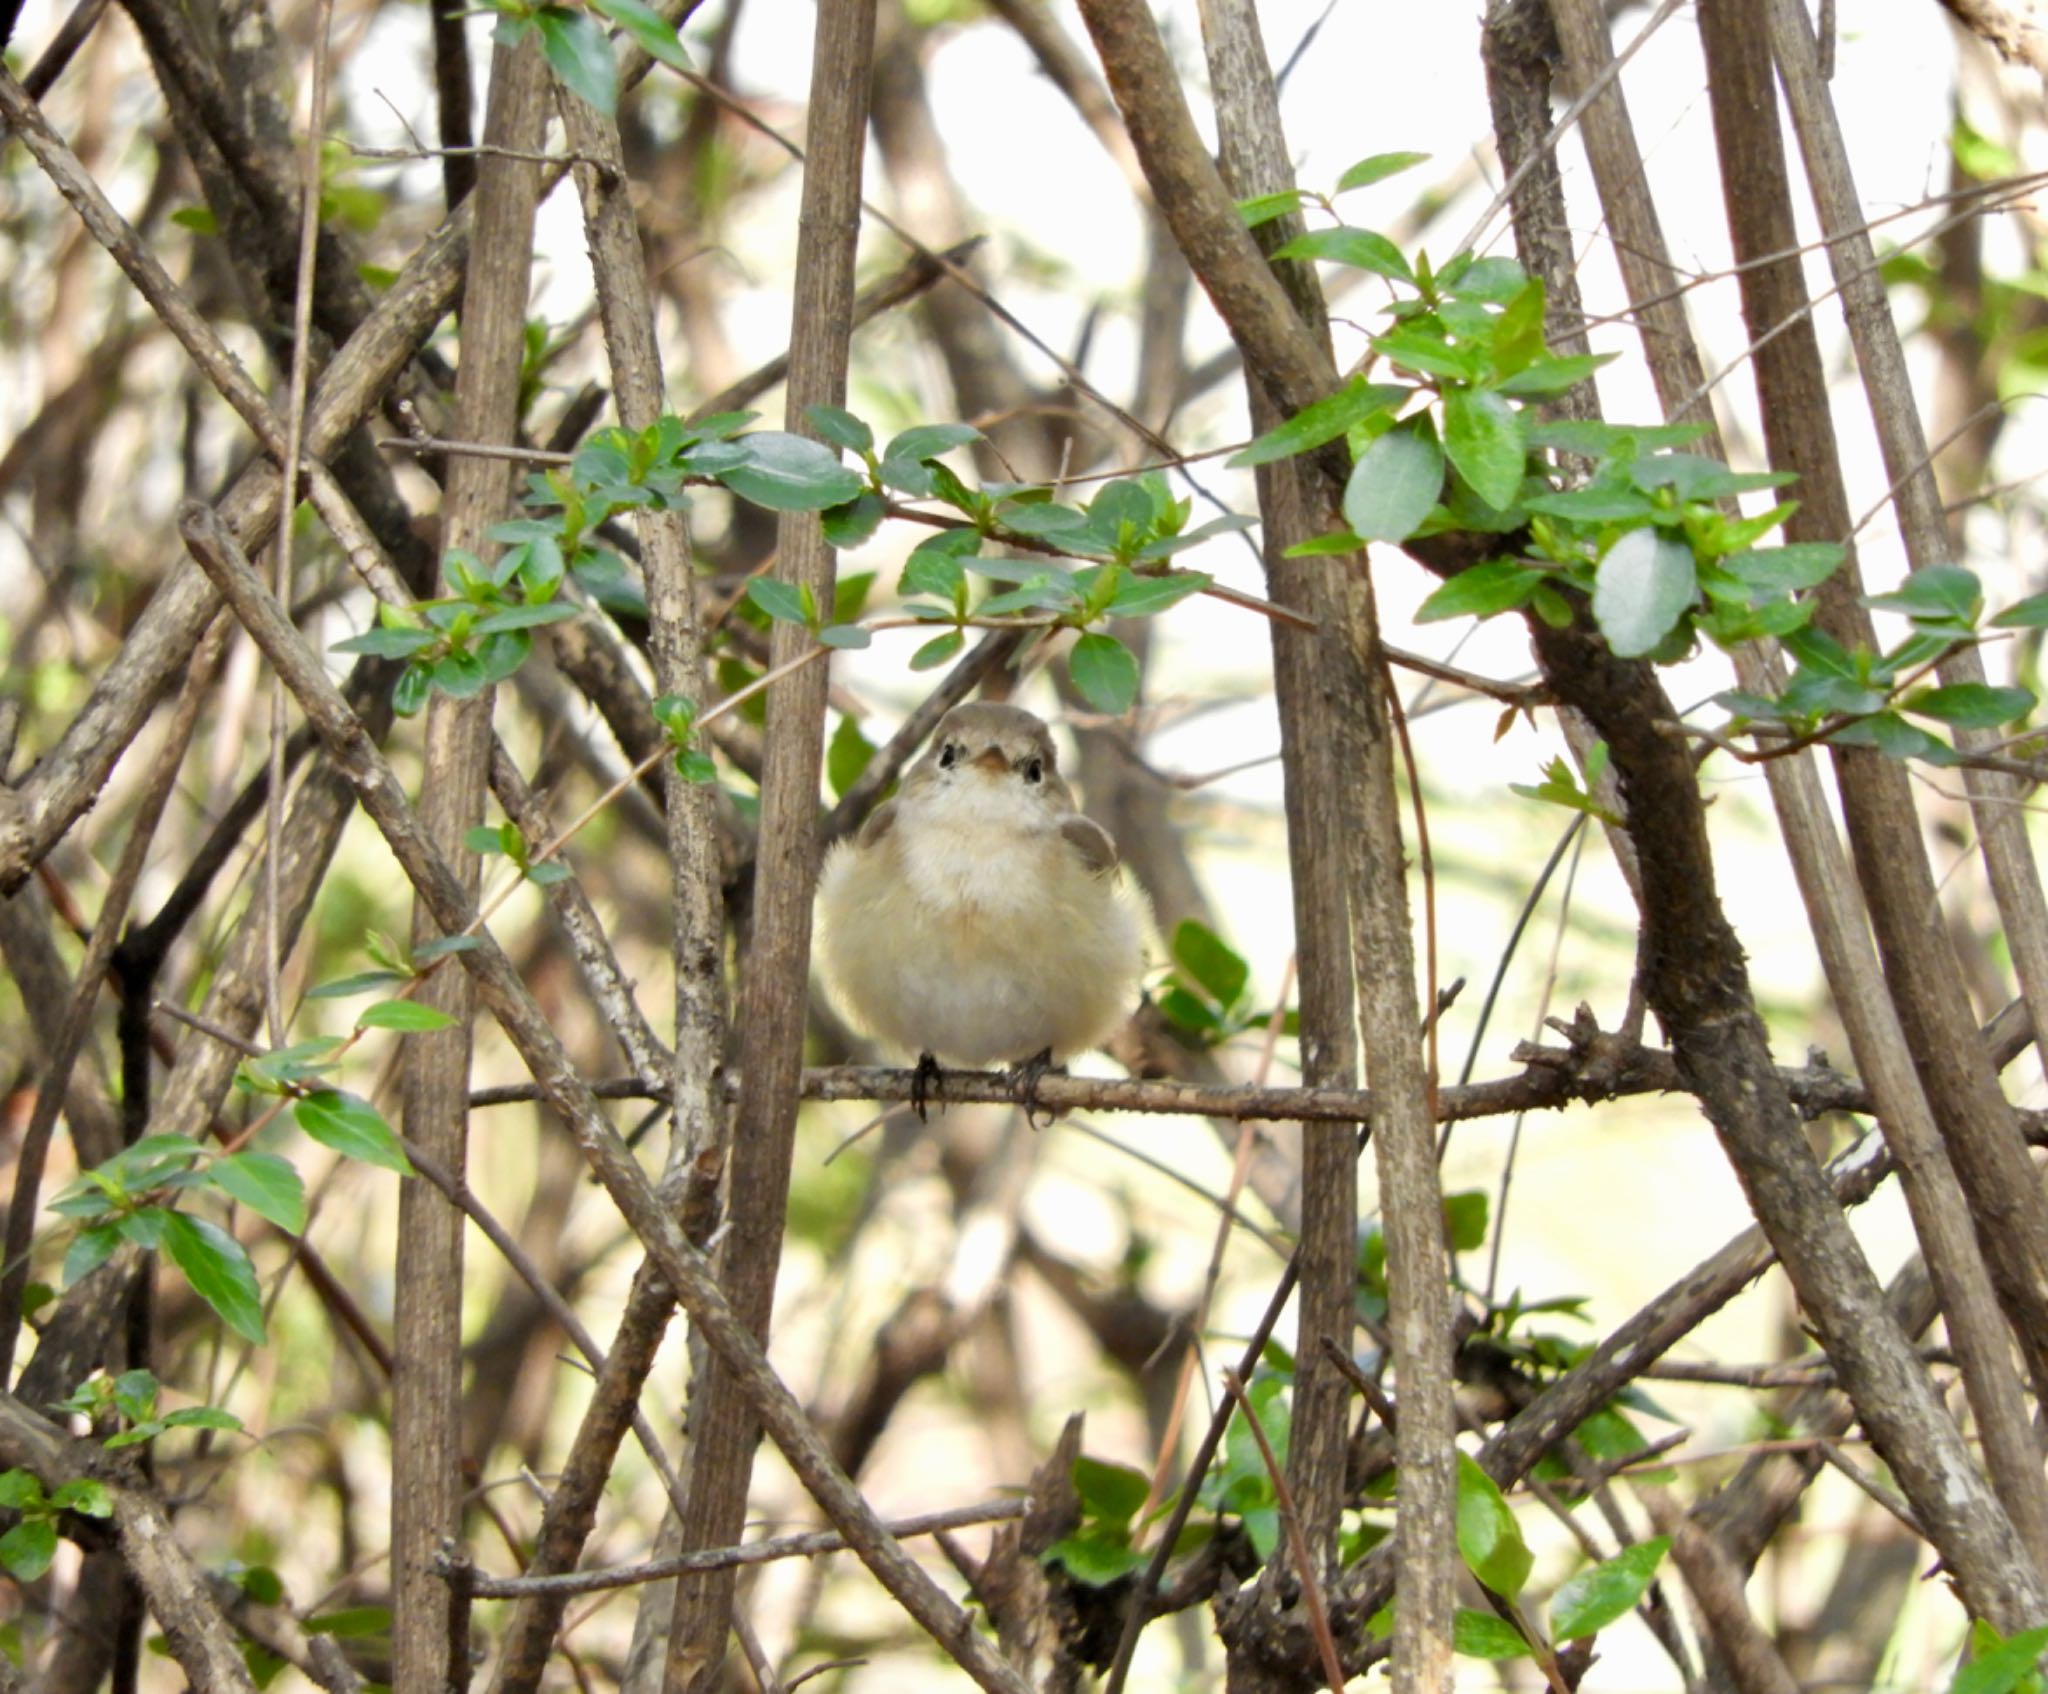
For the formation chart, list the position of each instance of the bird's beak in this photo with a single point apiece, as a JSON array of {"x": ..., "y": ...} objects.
[{"x": 993, "y": 762}]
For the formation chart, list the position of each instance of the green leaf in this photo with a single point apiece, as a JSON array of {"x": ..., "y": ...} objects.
[
  {"x": 1093, "y": 1560},
  {"x": 409, "y": 693},
  {"x": 218, "y": 1270},
  {"x": 1553, "y": 376},
  {"x": 1147, "y": 596},
  {"x": 443, "y": 945},
  {"x": 361, "y": 983},
  {"x": 1325, "y": 546},
  {"x": 1376, "y": 169},
  {"x": 531, "y": 615},
  {"x": 1105, "y": 672},
  {"x": 577, "y": 49},
  {"x": 846, "y": 756},
  {"x": 27, "y": 1549},
  {"x": 387, "y": 643},
  {"x": 267, "y": 1185},
  {"x": 198, "y": 219},
  {"x": 1210, "y": 962},
  {"x": 1974, "y": 705},
  {"x": 1394, "y": 484},
  {"x": 408, "y": 1017},
  {"x": 1417, "y": 348},
  {"x": 1483, "y": 437},
  {"x": 1786, "y": 570},
  {"x": 790, "y": 473},
  {"x": 928, "y": 441},
  {"x": 840, "y": 427},
  {"x": 89, "y": 1250},
  {"x": 85, "y": 1496},
  {"x": 1481, "y": 1635},
  {"x": 847, "y": 636},
  {"x": 1364, "y": 249},
  {"x": 2002, "y": 1667},
  {"x": 1589, "y": 1601},
  {"x": 1891, "y": 735},
  {"x": 848, "y": 526},
  {"x": 1489, "y": 1539},
  {"x": 655, "y": 34},
  {"x": 937, "y": 651},
  {"x": 1498, "y": 585},
  {"x": 202, "y": 1417},
  {"x": 352, "y": 1127},
  {"x": 1112, "y": 1493},
  {"x": 1496, "y": 280},
  {"x": 1645, "y": 585},
  {"x": 21, "y": 1489},
  {"x": 1591, "y": 505},
  {"x": 1465, "y": 1220},
  {"x": 782, "y": 601},
  {"x": 2030, "y": 613},
  {"x": 1945, "y": 595},
  {"x": 1264, "y": 208},
  {"x": 1322, "y": 420}
]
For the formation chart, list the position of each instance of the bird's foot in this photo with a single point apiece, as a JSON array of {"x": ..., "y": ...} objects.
[
  {"x": 927, "y": 1082},
  {"x": 1025, "y": 1076}
]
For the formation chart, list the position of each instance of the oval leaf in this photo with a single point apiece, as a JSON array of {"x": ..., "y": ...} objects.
[
  {"x": 1105, "y": 672},
  {"x": 267, "y": 1185},
  {"x": 1394, "y": 484},
  {"x": 1974, "y": 705},
  {"x": 1646, "y": 582},
  {"x": 1322, "y": 420},
  {"x": 791, "y": 473},
  {"x": 408, "y": 1017},
  {"x": 1484, "y": 438},
  {"x": 219, "y": 1271},
  {"x": 580, "y": 54},
  {"x": 351, "y": 1126},
  {"x": 1591, "y": 1600},
  {"x": 1489, "y": 1539}
]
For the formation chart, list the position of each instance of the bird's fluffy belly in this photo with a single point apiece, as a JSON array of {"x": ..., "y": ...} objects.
[{"x": 979, "y": 947}]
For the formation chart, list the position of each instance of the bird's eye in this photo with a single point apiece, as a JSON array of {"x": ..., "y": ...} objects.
[
  {"x": 947, "y": 754},
  {"x": 1034, "y": 770}
]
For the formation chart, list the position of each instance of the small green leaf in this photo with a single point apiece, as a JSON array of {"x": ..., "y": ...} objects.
[
  {"x": 577, "y": 49},
  {"x": 219, "y": 1271},
  {"x": 1944, "y": 595},
  {"x": 845, "y": 636},
  {"x": 928, "y": 441},
  {"x": 1481, "y": 1635},
  {"x": 443, "y": 945},
  {"x": 408, "y": 1017},
  {"x": 27, "y": 1549},
  {"x": 1326, "y": 546},
  {"x": 1496, "y": 280},
  {"x": 655, "y": 34},
  {"x": 1105, "y": 672},
  {"x": 782, "y": 601},
  {"x": 2004, "y": 1667},
  {"x": 840, "y": 427},
  {"x": 1095, "y": 1561},
  {"x": 1264, "y": 208},
  {"x": 85, "y": 1496},
  {"x": 2030, "y": 613},
  {"x": 848, "y": 526},
  {"x": 1416, "y": 347},
  {"x": 1147, "y": 596},
  {"x": 1363, "y": 249},
  {"x": 790, "y": 473},
  {"x": 409, "y": 693},
  {"x": 1890, "y": 734},
  {"x": 198, "y": 219},
  {"x": 1465, "y": 1220},
  {"x": 202, "y": 1417},
  {"x": 1112, "y": 1493},
  {"x": 361, "y": 983},
  {"x": 1785, "y": 570},
  {"x": 1322, "y": 420},
  {"x": 1483, "y": 437},
  {"x": 1589, "y": 1601},
  {"x": 387, "y": 643},
  {"x": 1498, "y": 585},
  {"x": 1645, "y": 585},
  {"x": 268, "y": 1185},
  {"x": 1394, "y": 484},
  {"x": 89, "y": 1250},
  {"x": 531, "y": 615},
  {"x": 1973, "y": 705},
  {"x": 846, "y": 756},
  {"x": 20, "y": 1489},
  {"x": 937, "y": 651},
  {"x": 1541, "y": 377},
  {"x": 1489, "y": 1539},
  {"x": 1376, "y": 169},
  {"x": 1210, "y": 962},
  {"x": 351, "y": 1126}
]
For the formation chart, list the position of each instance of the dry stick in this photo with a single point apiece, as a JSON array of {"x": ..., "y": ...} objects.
[
  {"x": 1317, "y": 682},
  {"x": 810, "y": 1544},
  {"x": 429, "y": 1622},
  {"x": 1791, "y": 385},
  {"x": 198, "y": 1636},
  {"x": 383, "y": 796},
  {"x": 2013, "y": 875},
  {"x": 1294, "y": 366},
  {"x": 723, "y": 1423}
]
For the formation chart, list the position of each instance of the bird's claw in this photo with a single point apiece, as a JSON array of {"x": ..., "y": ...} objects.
[
  {"x": 1025, "y": 1076},
  {"x": 926, "y": 1082}
]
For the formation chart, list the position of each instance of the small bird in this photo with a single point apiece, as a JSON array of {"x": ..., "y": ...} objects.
[{"x": 978, "y": 918}]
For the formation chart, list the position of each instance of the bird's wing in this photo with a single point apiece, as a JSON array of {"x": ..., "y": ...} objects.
[
  {"x": 880, "y": 821},
  {"x": 1091, "y": 841}
]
